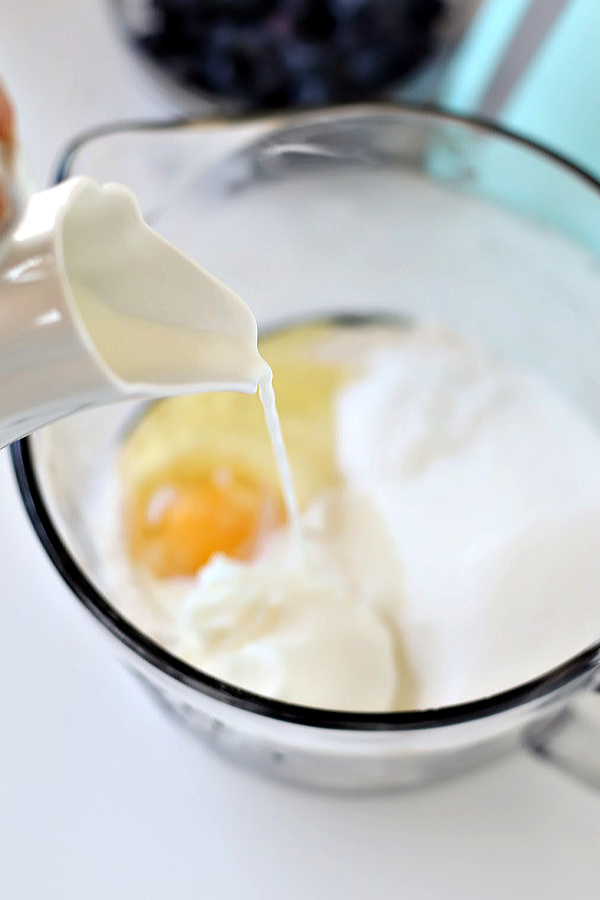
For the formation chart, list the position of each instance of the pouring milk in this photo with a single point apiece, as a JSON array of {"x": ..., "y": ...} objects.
[{"x": 95, "y": 307}]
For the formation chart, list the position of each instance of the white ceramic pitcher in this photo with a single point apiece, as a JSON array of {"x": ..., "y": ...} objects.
[{"x": 95, "y": 307}]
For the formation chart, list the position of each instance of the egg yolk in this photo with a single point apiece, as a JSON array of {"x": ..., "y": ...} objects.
[{"x": 175, "y": 524}]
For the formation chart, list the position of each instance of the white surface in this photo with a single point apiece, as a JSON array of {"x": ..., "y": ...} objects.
[{"x": 100, "y": 796}]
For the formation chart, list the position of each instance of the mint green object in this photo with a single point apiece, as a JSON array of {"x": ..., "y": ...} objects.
[
  {"x": 554, "y": 100},
  {"x": 558, "y": 101},
  {"x": 479, "y": 54}
]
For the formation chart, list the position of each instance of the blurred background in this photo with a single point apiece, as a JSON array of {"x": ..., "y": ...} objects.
[{"x": 530, "y": 64}]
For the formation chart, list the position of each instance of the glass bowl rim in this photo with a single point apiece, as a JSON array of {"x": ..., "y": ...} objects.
[{"x": 576, "y": 667}]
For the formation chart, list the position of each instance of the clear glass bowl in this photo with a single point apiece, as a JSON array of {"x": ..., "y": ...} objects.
[{"x": 343, "y": 211}]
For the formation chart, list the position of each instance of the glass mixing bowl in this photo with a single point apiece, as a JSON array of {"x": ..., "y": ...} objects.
[{"x": 350, "y": 211}]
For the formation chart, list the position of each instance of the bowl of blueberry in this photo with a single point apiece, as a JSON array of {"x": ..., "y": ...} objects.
[{"x": 261, "y": 54}]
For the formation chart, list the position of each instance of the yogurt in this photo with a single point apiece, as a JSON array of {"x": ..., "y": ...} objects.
[{"x": 490, "y": 485}]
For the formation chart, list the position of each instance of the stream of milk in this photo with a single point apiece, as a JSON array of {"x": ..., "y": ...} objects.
[{"x": 267, "y": 398}]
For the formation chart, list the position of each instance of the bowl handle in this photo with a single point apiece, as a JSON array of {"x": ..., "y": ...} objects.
[{"x": 571, "y": 741}]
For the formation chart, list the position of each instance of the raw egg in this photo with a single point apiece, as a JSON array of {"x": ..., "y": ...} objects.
[{"x": 198, "y": 473}]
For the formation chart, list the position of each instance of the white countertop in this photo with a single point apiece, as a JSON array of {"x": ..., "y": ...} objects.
[{"x": 100, "y": 795}]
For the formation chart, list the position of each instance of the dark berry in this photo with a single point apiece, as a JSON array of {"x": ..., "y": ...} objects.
[{"x": 311, "y": 90}]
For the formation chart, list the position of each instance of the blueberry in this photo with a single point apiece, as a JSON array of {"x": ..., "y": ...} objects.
[
  {"x": 221, "y": 37},
  {"x": 368, "y": 67},
  {"x": 311, "y": 90},
  {"x": 295, "y": 9},
  {"x": 345, "y": 9},
  {"x": 426, "y": 12},
  {"x": 268, "y": 86},
  {"x": 316, "y": 21},
  {"x": 217, "y": 59},
  {"x": 300, "y": 56}
]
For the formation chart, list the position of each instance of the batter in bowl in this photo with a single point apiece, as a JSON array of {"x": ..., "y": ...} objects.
[{"x": 449, "y": 514}]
